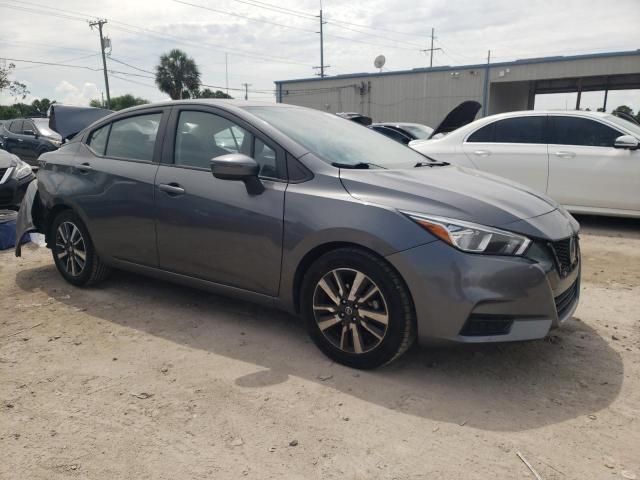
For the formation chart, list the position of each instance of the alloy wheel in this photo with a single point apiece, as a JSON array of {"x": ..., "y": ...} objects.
[
  {"x": 350, "y": 310},
  {"x": 71, "y": 249}
]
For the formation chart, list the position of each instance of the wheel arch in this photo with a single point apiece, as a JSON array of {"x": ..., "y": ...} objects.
[{"x": 318, "y": 251}]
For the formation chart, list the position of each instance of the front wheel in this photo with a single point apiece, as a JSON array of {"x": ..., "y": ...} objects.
[
  {"x": 357, "y": 309},
  {"x": 73, "y": 251}
]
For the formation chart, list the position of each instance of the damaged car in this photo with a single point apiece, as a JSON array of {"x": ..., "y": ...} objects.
[{"x": 373, "y": 244}]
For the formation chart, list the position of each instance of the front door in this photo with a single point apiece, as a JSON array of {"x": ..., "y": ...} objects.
[
  {"x": 514, "y": 148},
  {"x": 214, "y": 229},
  {"x": 585, "y": 170}
]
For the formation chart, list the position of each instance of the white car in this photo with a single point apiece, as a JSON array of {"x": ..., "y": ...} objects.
[{"x": 587, "y": 161}]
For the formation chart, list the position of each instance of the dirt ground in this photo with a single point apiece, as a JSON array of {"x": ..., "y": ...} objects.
[{"x": 142, "y": 379}]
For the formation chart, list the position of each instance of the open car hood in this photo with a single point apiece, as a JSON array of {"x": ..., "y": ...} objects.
[
  {"x": 458, "y": 117},
  {"x": 68, "y": 121}
]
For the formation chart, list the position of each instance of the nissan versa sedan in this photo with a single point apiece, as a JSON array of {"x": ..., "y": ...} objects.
[{"x": 370, "y": 242}]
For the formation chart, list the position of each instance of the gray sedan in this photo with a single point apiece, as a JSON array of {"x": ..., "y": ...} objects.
[{"x": 371, "y": 243}]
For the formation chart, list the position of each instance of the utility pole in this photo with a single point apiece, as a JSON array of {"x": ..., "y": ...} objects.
[
  {"x": 485, "y": 93},
  {"x": 226, "y": 71},
  {"x": 246, "y": 90},
  {"x": 99, "y": 24},
  {"x": 322, "y": 66},
  {"x": 431, "y": 50}
]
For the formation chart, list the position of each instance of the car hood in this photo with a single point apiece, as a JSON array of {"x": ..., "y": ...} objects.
[
  {"x": 458, "y": 117},
  {"x": 448, "y": 191}
]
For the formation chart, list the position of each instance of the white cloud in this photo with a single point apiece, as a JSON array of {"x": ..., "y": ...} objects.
[{"x": 70, "y": 94}]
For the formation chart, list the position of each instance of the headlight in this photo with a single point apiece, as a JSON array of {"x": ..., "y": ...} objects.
[
  {"x": 22, "y": 170},
  {"x": 55, "y": 142},
  {"x": 471, "y": 237}
]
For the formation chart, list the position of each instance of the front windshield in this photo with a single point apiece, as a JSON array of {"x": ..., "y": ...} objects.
[
  {"x": 421, "y": 132},
  {"x": 336, "y": 140},
  {"x": 626, "y": 124},
  {"x": 43, "y": 127}
]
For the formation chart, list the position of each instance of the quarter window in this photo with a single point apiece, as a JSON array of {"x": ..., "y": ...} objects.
[
  {"x": 134, "y": 138},
  {"x": 581, "y": 131},
  {"x": 529, "y": 129},
  {"x": 98, "y": 140}
]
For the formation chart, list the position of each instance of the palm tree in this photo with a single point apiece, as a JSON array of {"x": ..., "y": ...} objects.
[{"x": 177, "y": 75}]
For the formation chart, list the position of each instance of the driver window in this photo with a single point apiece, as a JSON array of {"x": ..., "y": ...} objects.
[{"x": 202, "y": 136}]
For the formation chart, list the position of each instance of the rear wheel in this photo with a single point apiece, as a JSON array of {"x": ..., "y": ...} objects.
[
  {"x": 357, "y": 308},
  {"x": 74, "y": 253}
]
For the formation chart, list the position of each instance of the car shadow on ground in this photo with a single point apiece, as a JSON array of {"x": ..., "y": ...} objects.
[{"x": 508, "y": 387}]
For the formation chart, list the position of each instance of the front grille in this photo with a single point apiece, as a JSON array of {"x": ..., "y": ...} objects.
[
  {"x": 485, "y": 325},
  {"x": 565, "y": 299},
  {"x": 566, "y": 254}
]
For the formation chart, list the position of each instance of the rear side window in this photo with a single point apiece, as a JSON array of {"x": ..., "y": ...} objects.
[
  {"x": 134, "y": 138},
  {"x": 98, "y": 140},
  {"x": 511, "y": 130},
  {"x": 581, "y": 131}
]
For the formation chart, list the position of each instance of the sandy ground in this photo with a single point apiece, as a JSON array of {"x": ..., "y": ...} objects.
[{"x": 142, "y": 379}]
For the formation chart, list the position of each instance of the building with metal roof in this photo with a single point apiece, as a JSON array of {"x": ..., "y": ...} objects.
[{"x": 426, "y": 95}]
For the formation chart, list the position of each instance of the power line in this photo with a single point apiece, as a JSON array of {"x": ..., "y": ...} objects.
[
  {"x": 291, "y": 27},
  {"x": 44, "y": 10}
]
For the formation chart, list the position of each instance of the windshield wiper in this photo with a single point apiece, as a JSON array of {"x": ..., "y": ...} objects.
[
  {"x": 356, "y": 166},
  {"x": 433, "y": 163}
]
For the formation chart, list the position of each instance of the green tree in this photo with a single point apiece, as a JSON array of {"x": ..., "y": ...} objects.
[
  {"x": 177, "y": 75},
  {"x": 41, "y": 107},
  {"x": 208, "y": 93},
  {"x": 624, "y": 109},
  {"x": 16, "y": 89},
  {"x": 121, "y": 102}
]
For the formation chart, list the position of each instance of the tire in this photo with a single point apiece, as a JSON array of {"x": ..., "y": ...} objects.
[
  {"x": 363, "y": 329},
  {"x": 67, "y": 255}
]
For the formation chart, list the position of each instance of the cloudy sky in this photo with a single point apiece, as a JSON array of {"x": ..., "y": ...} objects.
[{"x": 264, "y": 43}]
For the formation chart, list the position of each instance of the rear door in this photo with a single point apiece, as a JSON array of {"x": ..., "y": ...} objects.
[
  {"x": 113, "y": 184},
  {"x": 214, "y": 229},
  {"x": 514, "y": 148},
  {"x": 585, "y": 170}
]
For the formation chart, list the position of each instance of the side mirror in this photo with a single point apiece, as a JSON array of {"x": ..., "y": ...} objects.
[
  {"x": 237, "y": 166},
  {"x": 628, "y": 142},
  {"x": 29, "y": 132}
]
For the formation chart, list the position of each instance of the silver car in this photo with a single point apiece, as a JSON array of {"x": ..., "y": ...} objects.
[{"x": 371, "y": 243}]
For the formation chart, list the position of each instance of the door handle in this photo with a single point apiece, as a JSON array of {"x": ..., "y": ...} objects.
[
  {"x": 564, "y": 154},
  {"x": 84, "y": 167},
  {"x": 20, "y": 140},
  {"x": 171, "y": 189},
  {"x": 482, "y": 153}
]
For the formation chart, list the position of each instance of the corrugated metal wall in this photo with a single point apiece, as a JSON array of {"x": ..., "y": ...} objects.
[{"x": 426, "y": 96}]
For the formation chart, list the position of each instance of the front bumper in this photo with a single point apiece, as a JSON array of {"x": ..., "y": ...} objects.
[{"x": 470, "y": 298}]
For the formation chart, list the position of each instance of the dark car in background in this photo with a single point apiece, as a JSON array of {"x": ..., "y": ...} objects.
[
  {"x": 28, "y": 138},
  {"x": 370, "y": 242}
]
